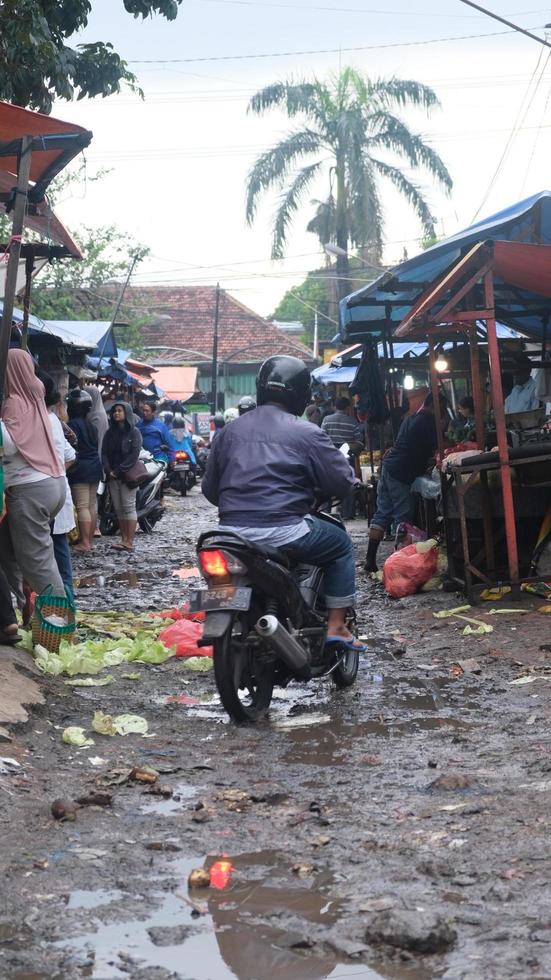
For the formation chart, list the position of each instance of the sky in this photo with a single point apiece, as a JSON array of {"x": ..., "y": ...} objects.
[{"x": 179, "y": 159}]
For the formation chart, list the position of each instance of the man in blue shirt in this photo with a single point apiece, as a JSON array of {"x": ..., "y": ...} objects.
[
  {"x": 156, "y": 436},
  {"x": 523, "y": 397}
]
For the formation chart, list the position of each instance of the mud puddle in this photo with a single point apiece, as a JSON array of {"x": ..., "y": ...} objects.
[
  {"x": 133, "y": 580},
  {"x": 181, "y": 795},
  {"x": 256, "y": 920}
]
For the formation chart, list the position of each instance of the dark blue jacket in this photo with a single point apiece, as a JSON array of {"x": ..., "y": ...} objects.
[
  {"x": 156, "y": 438},
  {"x": 88, "y": 467},
  {"x": 414, "y": 446},
  {"x": 267, "y": 468}
]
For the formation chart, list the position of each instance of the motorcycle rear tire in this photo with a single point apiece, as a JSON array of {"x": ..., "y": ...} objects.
[
  {"x": 108, "y": 524},
  {"x": 232, "y": 662},
  {"x": 345, "y": 674}
]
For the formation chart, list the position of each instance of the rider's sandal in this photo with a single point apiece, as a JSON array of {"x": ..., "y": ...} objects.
[{"x": 353, "y": 644}]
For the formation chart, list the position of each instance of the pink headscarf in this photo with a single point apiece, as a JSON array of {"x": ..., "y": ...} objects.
[{"x": 25, "y": 415}]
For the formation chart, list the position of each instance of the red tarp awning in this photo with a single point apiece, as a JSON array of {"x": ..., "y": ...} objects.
[
  {"x": 53, "y": 154},
  {"x": 525, "y": 266}
]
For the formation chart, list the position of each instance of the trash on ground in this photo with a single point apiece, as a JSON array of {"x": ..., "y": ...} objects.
[
  {"x": 105, "y": 724},
  {"x": 199, "y": 878},
  {"x": 469, "y": 666},
  {"x": 220, "y": 874},
  {"x": 64, "y": 809},
  {"x": 182, "y": 699},
  {"x": 200, "y": 663},
  {"x": 529, "y": 679},
  {"x": 184, "y": 636},
  {"x": 479, "y": 629},
  {"x": 444, "y": 613},
  {"x": 96, "y": 798},
  {"x": 144, "y": 774},
  {"x": 494, "y": 594},
  {"x": 75, "y": 735},
  {"x": 507, "y": 612},
  {"x": 9, "y": 766},
  {"x": 130, "y": 677},
  {"x": 544, "y": 609},
  {"x": 92, "y": 656},
  {"x": 405, "y": 571},
  {"x": 91, "y": 681}
]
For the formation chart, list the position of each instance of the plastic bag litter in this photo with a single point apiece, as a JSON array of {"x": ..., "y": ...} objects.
[
  {"x": 407, "y": 570},
  {"x": 105, "y": 724},
  {"x": 74, "y": 735},
  {"x": 184, "y": 636}
]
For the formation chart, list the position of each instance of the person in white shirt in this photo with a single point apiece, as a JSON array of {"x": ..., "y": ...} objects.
[
  {"x": 523, "y": 397},
  {"x": 65, "y": 520}
]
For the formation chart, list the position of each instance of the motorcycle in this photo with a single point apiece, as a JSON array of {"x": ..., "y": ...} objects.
[
  {"x": 201, "y": 450},
  {"x": 148, "y": 499},
  {"x": 266, "y": 621},
  {"x": 181, "y": 472}
]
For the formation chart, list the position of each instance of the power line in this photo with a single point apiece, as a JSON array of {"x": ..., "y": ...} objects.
[
  {"x": 502, "y": 20},
  {"x": 287, "y": 54}
]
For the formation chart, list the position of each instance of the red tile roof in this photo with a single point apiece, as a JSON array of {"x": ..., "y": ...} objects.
[{"x": 183, "y": 317}]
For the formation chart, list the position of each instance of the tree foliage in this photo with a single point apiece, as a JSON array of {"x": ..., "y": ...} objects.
[
  {"x": 347, "y": 126},
  {"x": 38, "y": 66},
  {"x": 318, "y": 294}
]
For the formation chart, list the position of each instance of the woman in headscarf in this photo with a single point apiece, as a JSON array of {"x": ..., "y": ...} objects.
[
  {"x": 97, "y": 414},
  {"x": 119, "y": 453},
  {"x": 34, "y": 479}
]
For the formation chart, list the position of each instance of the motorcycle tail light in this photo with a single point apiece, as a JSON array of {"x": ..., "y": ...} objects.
[
  {"x": 180, "y": 454},
  {"x": 219, "y": 564}
]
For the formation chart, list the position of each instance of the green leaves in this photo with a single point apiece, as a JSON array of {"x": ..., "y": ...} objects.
[{"x": 36, "y": 64}]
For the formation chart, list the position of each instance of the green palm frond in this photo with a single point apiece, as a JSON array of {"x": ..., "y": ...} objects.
[
  {"x": 323, "y": 224},
  {"x": 410, "y": 191},
  {"x": 402, "y": 92},
  {"x": 294, "y": 97},
  {"x": 394, "y": 135},
  {"x": 288, "y": 206},
  {"x": 272, "y": 167}
]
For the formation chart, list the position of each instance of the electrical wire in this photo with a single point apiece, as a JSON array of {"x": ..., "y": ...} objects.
[
  {"x": 522, "y": 112},
  {"x": 502, "y": 20},
  {"x": 536, "y": 139},
  {"x": 341, "y": 50}
]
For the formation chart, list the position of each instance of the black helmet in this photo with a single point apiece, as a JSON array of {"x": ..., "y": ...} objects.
[
  {"x": 79, "y": 402},
  {"x": 246, "y": 404},
  {"x": 285, "y": 380},
  {"x": 219, "y": 420}
]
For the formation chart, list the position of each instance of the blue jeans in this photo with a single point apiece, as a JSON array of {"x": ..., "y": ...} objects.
[
  {"x": 394, "y": 502},
  {"x": 329, "y": 547},
  {"x": 62, "y": 556}
]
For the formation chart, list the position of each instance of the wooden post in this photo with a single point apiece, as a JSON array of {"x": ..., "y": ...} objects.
[
  {"x": 478, "y": 396},
  {"x": 435, "y": 388},
  {"x": 23, "y": 174},
  {"x": 499, "y": 415},
  {"x": 29, "y": 266}
]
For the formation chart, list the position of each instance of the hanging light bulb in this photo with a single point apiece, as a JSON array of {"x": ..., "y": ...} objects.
[
  {"x": 409, "y": 383},
  {"x": 441, "y": 363}
]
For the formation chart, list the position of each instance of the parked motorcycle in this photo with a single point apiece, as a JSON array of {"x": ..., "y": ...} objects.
[
  {"x": 148, "y": 499},
  {"x": 266, "y": 621}
]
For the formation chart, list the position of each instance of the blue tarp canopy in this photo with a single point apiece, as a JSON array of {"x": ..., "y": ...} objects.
[
  {"x": 38, "y": 326},
  {"x": 100, "y": 333},
  {"x": 381, "y": 306}
]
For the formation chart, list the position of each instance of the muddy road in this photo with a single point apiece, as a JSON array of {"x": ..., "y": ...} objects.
[{"x": 399, "y": 829}]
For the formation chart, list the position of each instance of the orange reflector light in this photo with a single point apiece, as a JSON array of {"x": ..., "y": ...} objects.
[
  {"x": 220, "y": 874},
  {"x": 213, "y": 563}
]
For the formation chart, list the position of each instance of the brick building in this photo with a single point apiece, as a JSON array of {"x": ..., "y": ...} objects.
[{"x": 179, "y": 330}]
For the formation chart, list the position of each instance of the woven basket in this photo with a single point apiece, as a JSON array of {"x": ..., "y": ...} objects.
[{"x": 47, "y": 634}]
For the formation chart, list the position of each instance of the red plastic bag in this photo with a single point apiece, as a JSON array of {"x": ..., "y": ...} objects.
[
  {"x": 405, "y": 571},
  {"x": 184, "y": 635},
  {"x": 182, "y": 613}
]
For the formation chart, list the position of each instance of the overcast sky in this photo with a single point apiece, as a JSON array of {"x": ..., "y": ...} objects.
[{"x": 180, "y": 158}]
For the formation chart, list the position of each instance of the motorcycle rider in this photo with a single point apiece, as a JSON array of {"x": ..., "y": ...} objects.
[
  {"x": 155, "y": 434},
  {"x": 266, "y": 470},
  {"x": 246, "y": 404}
]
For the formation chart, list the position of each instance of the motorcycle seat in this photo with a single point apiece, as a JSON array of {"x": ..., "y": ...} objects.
[{"x": 219, "y": 538}]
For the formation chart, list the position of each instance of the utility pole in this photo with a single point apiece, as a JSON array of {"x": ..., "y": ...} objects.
[
  {"x": 136, "y": 257},
  {"x": 316, "y": 335},
  {"x": 214, "y": 381}
]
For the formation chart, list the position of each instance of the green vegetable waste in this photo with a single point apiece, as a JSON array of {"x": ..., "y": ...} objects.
[
  {"x": 74, "y": 735},
  {"x": 119, "y": 724},
  {"x": 92, "y": 656}
]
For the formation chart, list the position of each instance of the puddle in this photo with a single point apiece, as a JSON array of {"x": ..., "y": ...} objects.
[
  {"x": 397, "y": 709},
  {"x": 83, "y": 899},
  {"x": 246, "y": 931},
  {"x": 186, "y": 573},
  {"x": 174, "y": 804},
  {"x": 131, "y": 579}
]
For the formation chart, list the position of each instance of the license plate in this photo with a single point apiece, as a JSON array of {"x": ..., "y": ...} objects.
[
  {"x": 182, "y": 466},
  {"x": 227, "y": 597}
]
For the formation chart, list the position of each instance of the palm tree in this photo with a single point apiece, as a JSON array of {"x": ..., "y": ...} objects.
[{"x": 347, "y": 122}]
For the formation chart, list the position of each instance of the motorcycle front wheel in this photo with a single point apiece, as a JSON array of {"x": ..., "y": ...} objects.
[{"x": 245, "y": 683}]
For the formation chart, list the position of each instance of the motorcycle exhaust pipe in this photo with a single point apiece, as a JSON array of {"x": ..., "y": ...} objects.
[{"x": 285, "y": 645}]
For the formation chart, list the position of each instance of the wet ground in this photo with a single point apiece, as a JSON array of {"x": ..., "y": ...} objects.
[{"x": 399, "y": 829}]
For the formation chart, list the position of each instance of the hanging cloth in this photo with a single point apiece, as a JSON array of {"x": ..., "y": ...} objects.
[{"x": 369, "y": 387}]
